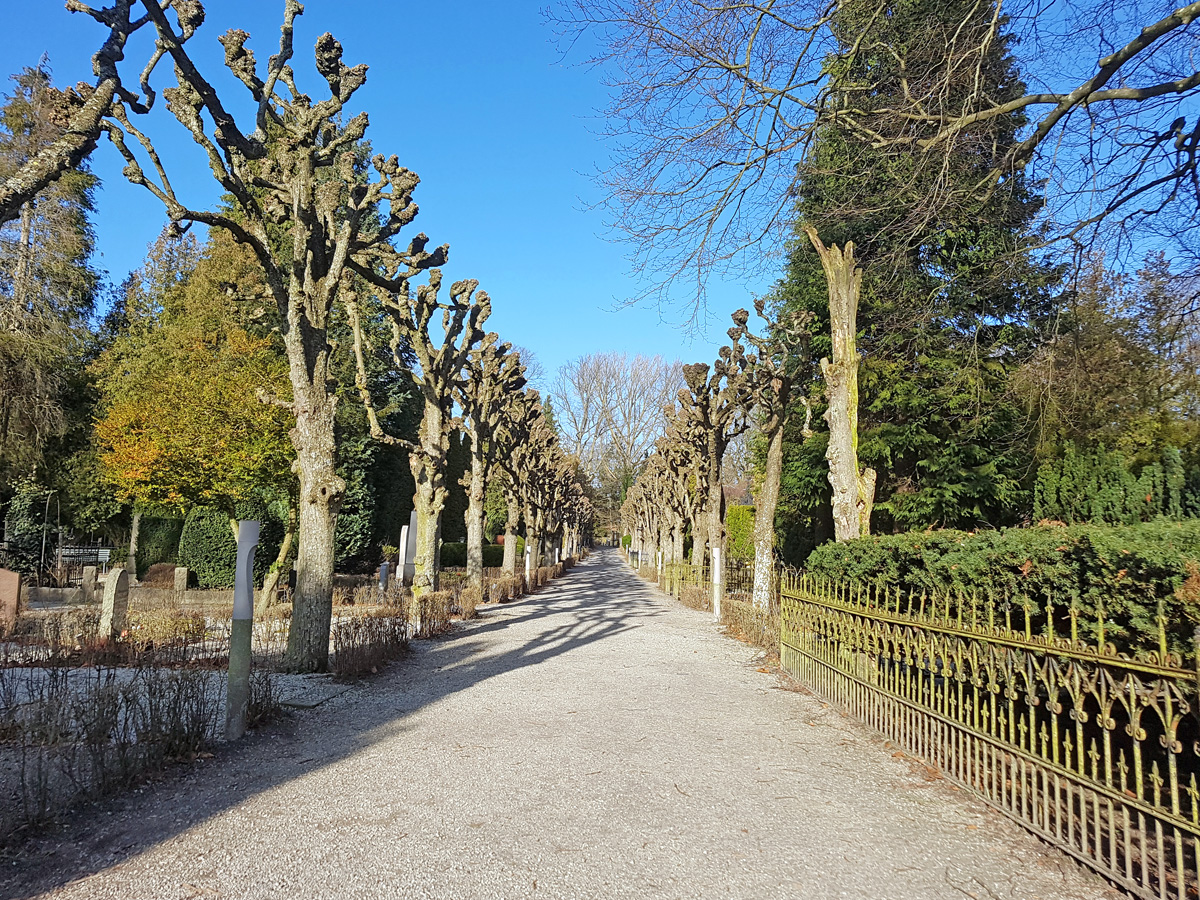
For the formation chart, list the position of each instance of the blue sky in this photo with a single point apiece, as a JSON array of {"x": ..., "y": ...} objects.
[{"x": 474, "y": 97}]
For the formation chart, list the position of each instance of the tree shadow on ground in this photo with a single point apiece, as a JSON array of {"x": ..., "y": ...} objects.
[{"x": 597, "y": 600}]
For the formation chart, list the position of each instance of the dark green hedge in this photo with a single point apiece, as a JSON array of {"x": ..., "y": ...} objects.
[
  {"x": 208, "y": 548},
  {"x": 454, "y": 555},
  {"x": 739, "y": 532},
  {"x": 158, "y": 541},
  {"x": 1122, "y": 570}
]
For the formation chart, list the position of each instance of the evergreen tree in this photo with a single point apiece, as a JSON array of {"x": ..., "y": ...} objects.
[
  {"x": 952, "y": 300},
  {"x": 47, "y": 285}
]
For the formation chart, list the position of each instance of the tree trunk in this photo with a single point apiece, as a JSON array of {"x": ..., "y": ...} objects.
[
  {"x": 474, "y": 516},
  {"x": 429, "y": 472},
  {"x": 853, "y": 490},
  {"x": 764, "y": 516},
  {"x": 320, "y": 501},
  {"x": 510, "y": 536},
  {"x": 271, "y": 582},
  {"x": 677, "y": 541},
  {"x": 23, "y": 274},
  {"x": 131, "y": 560}
]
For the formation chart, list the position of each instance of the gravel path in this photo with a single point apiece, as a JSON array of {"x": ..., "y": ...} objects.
[{"x": 595, "y": 740}]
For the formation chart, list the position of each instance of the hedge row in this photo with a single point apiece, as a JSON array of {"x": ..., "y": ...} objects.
[
  {"x": 1122, "y": 571},
  {"x": 207, "y": 545},
  {"x": 454, "y": 554}
]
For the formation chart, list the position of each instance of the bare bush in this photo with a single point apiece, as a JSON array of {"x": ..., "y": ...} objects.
[
  {"x": 69, "y": 734},
  {"x": 364, "y": 642}
]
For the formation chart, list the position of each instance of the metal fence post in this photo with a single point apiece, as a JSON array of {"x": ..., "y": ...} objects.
[{"x": 238, "y": 697}]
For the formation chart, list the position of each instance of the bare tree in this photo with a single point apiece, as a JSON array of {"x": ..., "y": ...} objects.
[
  {"x": 609, "y": 410},
  {"x": 294, "y": 174},
  {"x": 714, "y": 105},
  {"x": 442, "y": 354},
  {"x": 714, "y": 407},
  {"x": 494, "y": 374},
  {"x": 80, "y": 111}
]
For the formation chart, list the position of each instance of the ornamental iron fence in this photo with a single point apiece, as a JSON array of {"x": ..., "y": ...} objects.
[{"x": 1095, "y": 751}]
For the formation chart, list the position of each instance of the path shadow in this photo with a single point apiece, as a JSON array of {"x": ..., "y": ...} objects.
[{"x": 599, "y": 599}]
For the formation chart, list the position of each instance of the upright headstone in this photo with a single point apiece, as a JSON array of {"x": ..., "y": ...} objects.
[
  {"x": 10, "y": 600},
  {"x": 402, "y": 556},
  {"x": 89, "y": 583},
  {"x": 238, "y": 698},
  {"x": 383, "y": 577},
  {"x": 410, "y": 549},
  {"x": 115, "y": 607},
  {"x": 181, "y": 580}
]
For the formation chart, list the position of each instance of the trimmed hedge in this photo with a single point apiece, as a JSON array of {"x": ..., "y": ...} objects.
[
  {"x": 208, "y": 548},
  {"x": 158, "y": 542},
  {"x": 454, "y": 555},
  {"x": 739, "y": 532},
  {"x": 1123, "y": 571}
]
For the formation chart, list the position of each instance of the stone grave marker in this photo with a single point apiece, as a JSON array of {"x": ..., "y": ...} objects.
[
  {"x": 115, "y": 607},
  {"x": 89, "y": 583},
  {"x": 10, "y": 600},
  {"x": 410, "y": 550},
  {"x": 181, "y": 580}
]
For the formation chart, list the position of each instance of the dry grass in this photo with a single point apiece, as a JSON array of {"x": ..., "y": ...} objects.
[
  {"x": 744, "y": 620},
  {"x": 696, "y": 596}
]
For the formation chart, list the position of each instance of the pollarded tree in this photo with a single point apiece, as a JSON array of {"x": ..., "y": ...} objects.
[
  {"x": 441, "y": 355},
  {"x": 492, "y": 376},
  {"x": 714, "y": 407},
  {"x": 77, "y": 114},
  {"x": 782, "y": 359},
  {"x": 311, "y": 214}
]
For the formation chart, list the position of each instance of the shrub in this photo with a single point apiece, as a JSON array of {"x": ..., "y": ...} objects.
[
  {"x": 207, "y": 545},
  {"x": 454, "y": 555},
  {"x": 739, "y": 532},
  {"x": 158, "y": 542},
  {"x": 1099, "y": 487},
  {"x": 433, "y": 613},
  {"x": 468, "y": 599},
  {"x": 1124, "y": 571},
  {"x": 363, "y": 643},
  {"x": 626, "y": 541}
]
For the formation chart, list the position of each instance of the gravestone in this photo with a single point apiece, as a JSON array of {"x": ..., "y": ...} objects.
[
  {"x": 181, "y": 580},
  {"x": 115, "y": 606},
  {"x": 402, "y": 556},
  {"x": 89, "y": 584},
  {"x": 410, "y": 549},
  {"x": 10, "y": 600}
]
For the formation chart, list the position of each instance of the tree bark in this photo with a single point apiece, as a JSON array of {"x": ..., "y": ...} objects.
[
  {"x": 510, "y": 535},
  {"x": 853, "y": 490},
  {"x": 320, "y": 500},
  {"x": 271, "y": 582},
  {"x": 429, "y": 472},
  {"x": 764, "y": 516},
  {"x": 474, "y": 515},
  {"x": 131, "y": 559}
]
